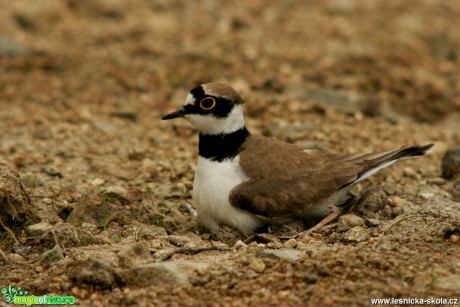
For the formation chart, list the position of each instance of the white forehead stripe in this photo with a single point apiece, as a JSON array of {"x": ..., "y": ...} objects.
[{"x": 189, "y": 100}]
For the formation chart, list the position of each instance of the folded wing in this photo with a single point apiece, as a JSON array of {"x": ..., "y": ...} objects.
[{"x": 285, "y": 180}]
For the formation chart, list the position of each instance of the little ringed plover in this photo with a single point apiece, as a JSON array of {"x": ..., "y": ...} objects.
[{"x": 245, "y": 181}]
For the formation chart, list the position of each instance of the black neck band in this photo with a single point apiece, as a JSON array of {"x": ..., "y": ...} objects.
[{"x": 222, "y": 146}]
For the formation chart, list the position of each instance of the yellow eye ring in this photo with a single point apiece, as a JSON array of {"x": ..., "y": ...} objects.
[{"x": 206, "y": 101}]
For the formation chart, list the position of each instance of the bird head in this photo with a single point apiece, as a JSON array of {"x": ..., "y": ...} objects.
[{"x": 213, "y": 108}]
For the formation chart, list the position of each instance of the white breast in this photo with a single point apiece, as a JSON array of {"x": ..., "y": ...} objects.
[{"x": 211, "y": 188}]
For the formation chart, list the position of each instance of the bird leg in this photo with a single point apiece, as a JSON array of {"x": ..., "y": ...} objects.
[
  {"x": 336, "y": 211},
  {"x": 332, "y": 216}
]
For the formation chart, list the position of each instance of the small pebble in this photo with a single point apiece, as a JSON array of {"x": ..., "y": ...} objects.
[
  {"x": 39, "y": 269},
  {"x": 291, "y": 243},
  {"x": 373, "y": 222},
  {"x": 410, "y": 172},
  {"x": 257, "y": 265},
  {"x": 239, "y": 244},
  {"x": 206, "y": 236},
  {"x": 451, "y": 163},
  {"x": 119, "y": 191},
  {"x": 52, "y": 255},
  {"x": 97, "y": 182},
  {"x": 436, "y": 181},
  {"x": 105, "y": 240},
  {"x": 179, "y": 240},
  {"x": 390, "y": 186},
  {"x": 38, "y": 229},
  {"x": 397, "y": 201},
  {"x": 348, "y": 221},
  {"x": 371, "y": 203},
  {"x": 21, "y": 250},
  {"x": 453, "y": 238},
  {"x": 15, "y": 258},
  {"x": 357, "y": 234},
  {"x": 426, "y": 195},
  {"x": 274, "y": 244}
]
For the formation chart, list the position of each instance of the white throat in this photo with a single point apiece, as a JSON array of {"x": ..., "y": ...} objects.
[{"x": 212, "y": 125}]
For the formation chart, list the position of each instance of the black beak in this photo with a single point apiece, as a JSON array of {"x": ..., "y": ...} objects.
[{"x": 176, "y": 114}]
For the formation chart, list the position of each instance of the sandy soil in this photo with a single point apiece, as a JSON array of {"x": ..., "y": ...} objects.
[{"x": 83, "y": 85}]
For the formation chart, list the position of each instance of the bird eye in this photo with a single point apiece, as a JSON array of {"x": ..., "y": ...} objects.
[{"x": 207, "y": 103}]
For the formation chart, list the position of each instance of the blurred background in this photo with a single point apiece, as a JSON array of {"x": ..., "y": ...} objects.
[{"x": 70, "y": 53}]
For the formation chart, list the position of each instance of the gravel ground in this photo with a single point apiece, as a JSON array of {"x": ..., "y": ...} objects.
[{"x": 83, "y": 86}]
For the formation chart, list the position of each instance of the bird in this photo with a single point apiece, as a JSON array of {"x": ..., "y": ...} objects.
[{"x": 245, "y": 182}]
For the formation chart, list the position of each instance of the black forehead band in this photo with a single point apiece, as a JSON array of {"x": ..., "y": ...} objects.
[{"x": 198, "y": 93}]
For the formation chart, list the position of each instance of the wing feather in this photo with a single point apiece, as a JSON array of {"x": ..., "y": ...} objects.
[{"x": 285, "y": 180}]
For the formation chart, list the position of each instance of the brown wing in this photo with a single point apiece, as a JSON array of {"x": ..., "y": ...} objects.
[{"x": 285, "y": 179}]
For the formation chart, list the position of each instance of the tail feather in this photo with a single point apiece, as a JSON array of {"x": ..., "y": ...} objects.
[
  {"x": 413, "y": 151},
  {"x": 372, "y": 163}
]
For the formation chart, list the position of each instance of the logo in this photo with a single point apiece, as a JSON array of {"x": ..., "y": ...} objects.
[{"x": 19, "y": 296}]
